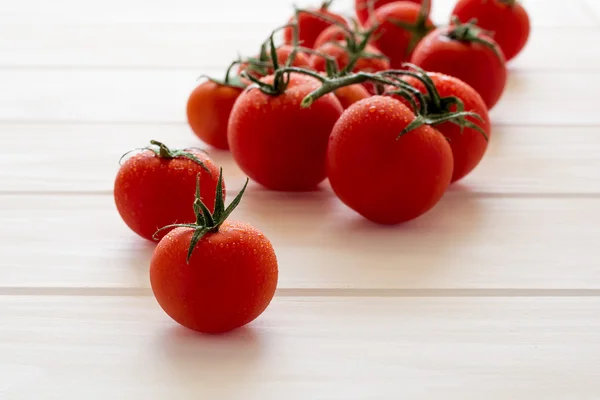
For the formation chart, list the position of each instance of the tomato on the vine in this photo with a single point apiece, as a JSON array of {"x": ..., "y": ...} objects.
[
  {"x": 155, "y": 187},
  {"x": 311, "y": 23},
  {"x": 362, "y": 7},
  {"x": 276, "y": 142},
  {"x": 385, "y": 177},
  {"x": 446, "y": 94},
  {"x": 399, "y": 27},
  {"x": 507, "y": 20},
  {"x": 214, "y": 275},
  {"x": 467, "y": 53},
  {"x": 208, "y": 109}
]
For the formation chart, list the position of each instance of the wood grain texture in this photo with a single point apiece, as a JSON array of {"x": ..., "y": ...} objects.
[
  {"x": 466, "y": 242},
  {"x": 318, "y": 348},
  {"x": 75, "y": 158},
  {"x": 156, "y": 96}
]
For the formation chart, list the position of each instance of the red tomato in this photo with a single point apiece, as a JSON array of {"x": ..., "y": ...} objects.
[
  {"x": 310, "y": 26},
  {"x": 276, "y": 142},
  {"x": 468, "y": 146},
  {"x": 222, "y": 281},
  {"x": 398, "y": 42},
  {"x": 208, "y": 109},
  {"x": 333, "y": 33},
  {"x": 362, "y": 9},
  {"x": 349, "y": 95},
  {"x": 155, "y": 187},
  {"x": 457, "y": 51},
  {"x": 385, "y": 179},
  {"x": 342, "y": 57},
  {"x": 506, "y": 19}
]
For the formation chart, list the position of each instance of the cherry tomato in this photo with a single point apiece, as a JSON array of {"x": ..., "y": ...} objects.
[
  {"x": 277, "y": 143},
  {"x": 333, "y": 33},
  {"x": 463, "y": 51},
  {"x": 310, "y": 26},
  {"x": 349, "y": 95},
  {"x": 506, "y": 19},
  {"x": 208, "y": 109},
  {"x": 362, "y": 9},
  {"x": 402, "y": 25},
  {"x": 468, "y": 144},
  {"x": 215, "y": 275},
  {"x": 387, "y": 179},
  {"x": 155, "y": 187}
]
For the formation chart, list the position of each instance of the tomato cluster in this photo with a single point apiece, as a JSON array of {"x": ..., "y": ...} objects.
[{"x": 390, "y": 109}]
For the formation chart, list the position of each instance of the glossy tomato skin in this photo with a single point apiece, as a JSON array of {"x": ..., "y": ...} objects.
[
  {"x": 362, "y": 9},
  {"x": 509, "y": 23},
  {"x": 349, "y": 95},
  {"x": 229, "y": 281},
  {"x": 310, "y": 27},
  {"x": 468, "y": 146},
  {"x": 475, "y": 64},
  {"x": 208, "y": 109},
  {"x": 276, "y": 142},
  {"x": 332, "y": 34},
  {"x": 387, "y": 181},
  {"x": 333, "y": 50},
  {"x": 392, "y": 40},
  {"x": 151, "y": 192}
]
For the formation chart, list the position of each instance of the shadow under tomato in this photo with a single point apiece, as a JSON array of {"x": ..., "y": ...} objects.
[
  {"x": 211, "y": 361},
  {"x": 417, "y": 253}
]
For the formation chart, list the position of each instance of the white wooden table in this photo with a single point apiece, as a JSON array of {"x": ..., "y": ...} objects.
[{"x": 494, "y": 294}]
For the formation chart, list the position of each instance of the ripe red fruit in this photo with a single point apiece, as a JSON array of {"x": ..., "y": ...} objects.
[
  {"x": 208, "y": 109},
  {"x": 334, "y": 33},
  {"x": 349, "y": 95},
  {"x": 276, "y": 142},
  {"x": 214, "y": 275},
  {"x": 387, "y": 179},
  {"x": 506, "y": 19},
  {"x": 468, "y": 144},
  {"x": 155, "y": 187},
  {"x": 402, "y": 25},
  {"x": 362, "y": 7},
  {"x": 311, "y": 23},
  {"x": 465, "y": 52}
]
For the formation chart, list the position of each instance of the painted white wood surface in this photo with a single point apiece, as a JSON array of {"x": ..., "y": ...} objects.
[
  {"x": 493, "y": 294},
  {"x": 304, "y": 348},
  {"x": 467, "y": 241},
  {"x": 520, "y": 160}
]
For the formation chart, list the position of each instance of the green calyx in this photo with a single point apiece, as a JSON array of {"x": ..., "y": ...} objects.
[
  {"x": 231, "y": 81},
  {"x": 434, "y": 109},
  {"x": 469, "y": 32},
  {"x": 429, "y": 108},
  {"x": 268, "y": 59},
  {"x": 161, "y": 150},
  {"x": 509, "y": 3},
  {"x": 207, "y": 222},
  {"x": 418, "y": 29}
]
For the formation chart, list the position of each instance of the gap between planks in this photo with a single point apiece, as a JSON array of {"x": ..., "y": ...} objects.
[{"x": 300, "y": 292}]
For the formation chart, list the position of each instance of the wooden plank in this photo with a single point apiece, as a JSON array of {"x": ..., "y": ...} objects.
[
  {"x": 102, "y": 95},
  {"x": 545, "y": 13},
  {"x": 167, "y": 45},
  {"x": 79, "y": 158},
  {"x": 317, "y": 348},
  {"x": 466, "y": 242}
]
